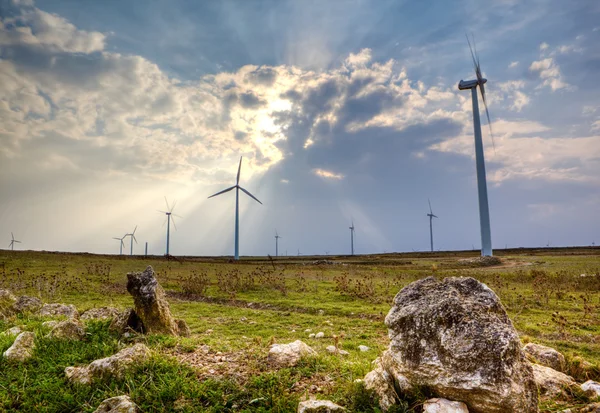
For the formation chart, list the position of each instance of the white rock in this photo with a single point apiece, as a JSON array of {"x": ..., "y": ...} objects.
[
  {"x": 49, "y": 324},
  {"x": 119, "y": 404},
  {"x": 320, "y": 334},
  {"x": 311, "y": 335},
  {"x": 308, "y": 330},
  {"x": 335, "y": 350},
  {"x": 384, "y": 384},
  {"x": 113, "y": 366},
  {"x": 59, "y": 310},
  {"x": 591, "y": 388},
  {"x": 444, "y": 406},
  {"x": 100, "y": 313},
  {"x": 68, "y": 330},
  {"x": 363, "y": 348},
  {"x": 22, "y": 348},
  {"x": 288, "y": 355},
  {"x": 14, "y": 331},
  {"x": 319, "y": 406}
]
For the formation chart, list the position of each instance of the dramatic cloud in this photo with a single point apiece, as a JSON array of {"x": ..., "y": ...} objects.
[{"x": 549, "y": 73}]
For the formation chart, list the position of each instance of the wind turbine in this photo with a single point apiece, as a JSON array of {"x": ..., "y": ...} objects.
[
  {"x": 169, "y": 213},
  {"x": 431, "y": 216},
  {"x": 352, "y": 238},
  {"x": 122, "y": 244},
  {"x": 132, "y": 235},
  {"x": 237, "y": 188},
  {"x": 12, "y": 242},
  {"x": 484, "y": 212},
  {"x": 277, "y": 243}
]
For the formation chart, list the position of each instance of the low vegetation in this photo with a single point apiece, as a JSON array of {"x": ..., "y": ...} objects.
[{"x": 236, "y": 310}]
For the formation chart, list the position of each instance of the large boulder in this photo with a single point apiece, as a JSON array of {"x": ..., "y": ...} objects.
[
  {"x": 551, "y": 382},
  {"x": 27, "y": 304},
  {"x": 119, "y": 404},
  {"x": 68, "y": 330},
  {"x": 546, "y": 356},
  {"x": 319, "y": 406},
  {"x": 22, "y": 348},
  {"x": 288, "y": 355},
  {"x": 7, "y": 300},
  {"x": 444, "y": 406},
  {"x": 100, "y": 313},
  {"x": 454, "y": 338},
  {"x": 59, "y": 310},
  {"x": 113, "y": 366},
  {"x": 150, "y": 303}
]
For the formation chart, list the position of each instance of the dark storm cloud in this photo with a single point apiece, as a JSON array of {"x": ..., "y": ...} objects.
[
  {"x": 264, "y": 76},
  {"x": 249, "y": 100}
]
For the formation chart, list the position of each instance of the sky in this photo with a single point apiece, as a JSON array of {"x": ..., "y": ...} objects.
[{"x": 343, "y": 111}]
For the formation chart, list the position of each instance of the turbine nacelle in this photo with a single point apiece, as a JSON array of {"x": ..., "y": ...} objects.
[{"x": 470, "y": 84}]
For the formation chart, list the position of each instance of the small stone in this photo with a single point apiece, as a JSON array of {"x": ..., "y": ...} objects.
[
  {"x": 68, "y": 330},
  {"x": 320, "y": 334},
  {"x": 363, "y": 348},
  {"x": 119, "y": 404},
  {"x": 288, "y": 355},
  {"x": 243, "y": 319},
  {"x": 311, "y": 335},
  {"x": 7, "y": 301},
  {"x": 591, "y": 408},
  {"x": 14, "y": 331},
  {"x": 183, "y": 329},
  {"x": 308, "y": 330},
  {"x": 319, "y": 406},
  {"x": 551, "y": 382},
  {"x": 27, "y": 304},
  {"x": 546, "y": 356},
  {"x": 591, "y": 389},
  {"x": 331, "y": 349},
  {"x": 209, "y": 331},
  {"x": 321, "y": 312},
  {"x": 22, "y": 348},
  {"x": 49, "y": 324},
  {"x": 59, "y": 310},
  {"x": 113, "y": 366},
  {"x": 444, "y": 406},
  {"x": 100, "y": 313}
]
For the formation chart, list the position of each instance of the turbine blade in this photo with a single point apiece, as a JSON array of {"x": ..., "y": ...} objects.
[
  {"x": 117, "y": 238},
  {"x": 475, "y": 63},
  {"x": 18, "y": 241},
  {"x": 430, "y": 210},
  {"x": 167, "y": 202},
  {"x": 173, "y": 221},
  {"x": 248, "y": 193},
  {"x": 133, "y": 236},
  {"x": 237, "y": 182},
  {"x": 162, "y": 212},
  {"x": 178, "y": 216},
  {"x": 134, "y": 230},
  {"x": 487, "y": 113},
  {"x": 173, "y": 207},
  {"x": 223, "y": 191},
  {"x": 435, "y": 216}
]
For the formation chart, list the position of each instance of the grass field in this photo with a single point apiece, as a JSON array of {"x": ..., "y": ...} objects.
[{"x": 239, "y": 309}]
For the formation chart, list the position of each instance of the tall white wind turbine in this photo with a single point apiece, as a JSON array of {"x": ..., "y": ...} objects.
[
  {"x": 121, "y": 243},
  {"x": 277, "y": 243},
  {"x": 484, "y": 211},
  {"x": 12, "y": 242},
  {"x": 431, "y": 216},
  {"x": 170, "y": 218},
  {"x": 352, "y": 238},
  {"x": 132, "y": 235},
  {"x": 237, "y": 188}
]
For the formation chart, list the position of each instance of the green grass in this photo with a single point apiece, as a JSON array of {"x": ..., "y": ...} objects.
[{"x": 246, "y": 306}]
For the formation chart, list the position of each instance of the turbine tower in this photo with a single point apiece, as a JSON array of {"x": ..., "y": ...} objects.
[
  {"x": 277, "y": 243},
  {"x": 484, "y": 212},
  {"x": 132, "y": 235},
  {"x": 122, "y": 244},
  {"x": 12, "y": 242},
  {"x": 352, "y": 238},
  {"x": 169, "y": 213},
  {"x": 431, "y": 216},
  {"x": 237, "y": 188}
]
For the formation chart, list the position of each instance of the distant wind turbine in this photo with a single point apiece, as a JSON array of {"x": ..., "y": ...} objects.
[
  {"x": 484, "y": 212},
  {"x": 237, "y": 188},
  {"x": 121, "y": 244},
  {"x": 352, "y": 238},
  {"x": 132, "y": 235},
  {"x": 277, "y": 243},
  {"x": 12, "y": 242},
  {"x": 169, "y": 213},
  {"x": 431, "y": 216}
]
